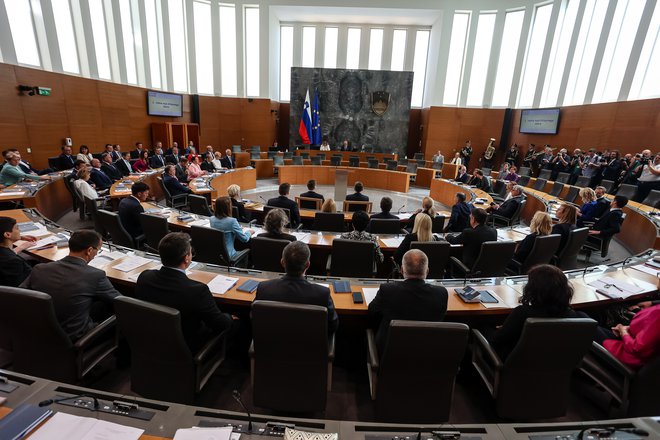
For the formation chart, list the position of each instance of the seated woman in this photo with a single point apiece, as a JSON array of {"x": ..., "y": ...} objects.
[
  {"x": 637, "y": 343},
  {"x": 540, "y": 225},
  {"x": 274, "y": 224},
  {"x": 512, "y": 175},
  {"x": 223, "y": 221},
  {"x": 586, "y": 213},
  {"x": 329, "y": 206},
  {"x": 142, "y": 163},
  {"x": 85, "y": 155},
  {"x": 567, "y": 215},
  {"x": 217, "y": 164},
  {"x": 234, "y": 192},
  {"x": 422, "y": 231},
  {"x": 194, "y": 170},
  {"x": 360, "y": 221},
  {"x": 427, "y": 208},
  {"x": 547, "y": 294},
  {"x": 82, "y": 186}
]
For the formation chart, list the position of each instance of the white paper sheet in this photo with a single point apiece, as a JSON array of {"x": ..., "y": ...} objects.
[
  {"x": 223, "y": 433},
  {"x": 404, "y": 215},
  {"x": 63, "y": 426},
  {"x": 12, "y": 193},
  {"x": 301, "y": 236},
  {"x": 614, "y": 288},
  {"x": 369, "y": 294},
  {"x": 221, "y": 284},
  {"x": 201, "y": 222},
  {"x": 51, "y": 239},
  {"x": 131, "y": 263},
  {"x": 106, "y": 257},
  {"x": 647, "y": 269},
  {"x": 392, "y": 242}
]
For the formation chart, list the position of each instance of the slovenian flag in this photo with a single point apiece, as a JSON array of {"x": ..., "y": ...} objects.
[
  {"x": 316, "y": 121},
  {"x": 305, "y": 128}
]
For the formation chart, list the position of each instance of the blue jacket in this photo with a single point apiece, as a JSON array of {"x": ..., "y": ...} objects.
[{"x": 232, "y": 230}]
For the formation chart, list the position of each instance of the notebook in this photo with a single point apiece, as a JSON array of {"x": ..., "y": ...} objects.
[
  {"x": 341, "y": 286},
  {"x": 23, "y": 419},
  {"x": 249, "y": 286}
]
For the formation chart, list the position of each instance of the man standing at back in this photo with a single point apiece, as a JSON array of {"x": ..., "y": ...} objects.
[
  {"x": 412, "y": 299},
  {"x": 294, "y": 288},
  {"x": 471, "y": 238},
  {"x": 82, "y": 294},
  {"x": 284, "y": 202}
]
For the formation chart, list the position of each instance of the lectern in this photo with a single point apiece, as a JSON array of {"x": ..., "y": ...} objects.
[
  {"x": 341, "y": 182},
  {"x": 449, "y": 171}
]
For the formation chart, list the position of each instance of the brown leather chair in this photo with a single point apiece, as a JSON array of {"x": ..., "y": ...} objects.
[
  {"x": 533, "y": 382},
  {"x": 267, "y": 253},
  {"x": 352, "y": 258},
  {"x": 412, "y": 381},
  {"x": 291, "y": 364},
  {"x": 632, "y": 393},
  {"x": 39, "y": 345},
  {"x": 162, "y": 365}
]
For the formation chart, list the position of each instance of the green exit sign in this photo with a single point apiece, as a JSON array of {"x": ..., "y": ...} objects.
[{"x": 44, "y": 91}]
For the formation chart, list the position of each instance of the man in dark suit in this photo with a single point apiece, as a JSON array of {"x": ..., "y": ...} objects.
[
  {"x": 471, "y": 238},
  {"x": 284, "y": 202},
  {"x": 82, "y": 294},
  {"x": 411, "y": 300},
  {"x": 462, "y": 175},
  {"x": 602, "y": 204},
  {"x": 157, "y": 160},
  {"x": 66, "y": 160},
  {"x": 135, "y": 154},
  {"x": 508, "y": 208},
  {"x": 173, "y": 157},
  {"x": 109, "y": 168},
  {"x": 98, "y": 177},
  {"x": 172, "y": 183},
  {"x": 13, "y": 269},
  {"x": 460, "y": 214},
  {"x": 114, "y": 155},
  {"x": 130, "y": 209},
  {"x": 124, "y": 164},
  {"x": 357, "y": 196},
  {"x": 385, "y": 208},
  {"x": 201, "y": 318},
  {"x": 294, "y": 288},
  {"x": 180, "y": 170},
  {"x": 610, "y": 223},
  {"x": 228, "y": 161},
  {"x": 311, "y": 194}
]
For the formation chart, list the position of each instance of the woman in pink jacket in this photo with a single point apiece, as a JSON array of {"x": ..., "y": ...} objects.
[{"x": 637, "y": 343}]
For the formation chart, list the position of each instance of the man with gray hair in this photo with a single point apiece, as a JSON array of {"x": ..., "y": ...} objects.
[
  {"x": 294, "y": 288},
  {"x": 508, "y": 208},
  {"x": 412, "y": 299}
]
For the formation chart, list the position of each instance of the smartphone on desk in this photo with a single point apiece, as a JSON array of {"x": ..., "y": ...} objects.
[{"x": 357, "y": 298}]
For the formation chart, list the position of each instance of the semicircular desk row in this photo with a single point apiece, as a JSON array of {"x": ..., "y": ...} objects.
[{"x": 508, "y": 289}]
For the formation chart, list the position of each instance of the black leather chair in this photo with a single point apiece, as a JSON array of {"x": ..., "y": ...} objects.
[
  {"x": 543, "y": 251},
  {"x": 540, "y": 183},
  {"x": 39, "y": 345},
  {"x": 328, "y": 221},
  {"x": 291, "y": 364},
  {"x": 567, "y": 258},
  {"x": 557, "y": 188},
  {"x": 162, "y": 365},
  {"x": 582, "y": 181},
  {"x": 544, "y": 174},
  {"x": 627, "y": 190},
  {"x": 524, "y": 180},
  {"x": 438, "y": 253},
  {"x": 352, "y": 206},
  {"x": 267, "y": 253},
  {"x": 392, "y": 165},
  {"x": 155, "y": 227},
  {"x": 199, "y": 205},
  {"x": 75, "y": 202},
  {"x": 598, "y": 243},
  {"x": 235, "y": 148},
  {"x": 652, "y": 199},
  {"x": 118, "y": 235},
  {"x": 92, "y": 208},
  {"x": 572, "y": 194},
  {"x": 278, "y": 161},
  {"x": 525, "y": 171},
  {"x": 373, "y": 163},
  {"x": 54, "y": 163},
  {"x": 304, "y": 155},
  {"x": 608, "y": 185},
  {"x": 255, "y": 155},
  {"x": 632, "y": 393},
  {"x": 297, "y": 160},
  {"x": 498, "y": 220},
  {"x": 402, "y": 161},
  {"x": 438, "y": 224},
  {"x": 385, "y": 226},
  {"x": 419, "y": 156},
  {"x": 287, "y": 211},
  {"x": 499, "y": 189},
  {"x": 209, "y": 245},
  {"x": 411, "y": 167},
  {"x": 288, "y": 155},
  {"x": 563, "y": 178},
  {"x": 316, "y": 160},
  {"x": 541, "y": 364},
  {"x": 491, "y": 262},
  {"x": 322, "y": 156},
  {"x": 412, "y": 381},
  {"x": 354, "y": 161},
  {"x": 352, "y": 258},
  {"x": 179, "y": 201},
  {"x": 335, "y": 161}
]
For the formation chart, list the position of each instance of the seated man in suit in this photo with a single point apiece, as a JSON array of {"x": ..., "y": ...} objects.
[
  {"x": 411, "y": 300},
  {"x": 66, "y": 160},
  {"x": 510, "y": 206},
  {"x": 98, "y": 177},
  {"x": 311, "y": 193},
  {"x": 462, "y": 176},
  {"x": 460, "y": 214},
  {"x": 130, "y": 209},
  {"x": 357, "y": 196},
  {"x": 157, "y": 160},
  {"x": 114, "y": 155},
  {"x": 228, "y": 161},
  {"x": 109, "y": 168},
  {"x": 169, "y": 286},
  {"x": 385, "y": 208},
  {"x": 294, "y": 288},
  {"x": 472, "y": 237},
  {"x": 602, "y": 204},
  {"x": 135, "y": 154},
  {"x": 124, "y": 164},
  {"x": 172, "y": 183},
  {"x": 610, "y": 223},
  {"x": 174, "y": 157},
  {"x": 207, "y": 165},
  {"x": 13, "y": 269},
  {"x": 284, "y": 202},
  {"x": 181, "y": 170},
  {"x": 82, "y": 294}
]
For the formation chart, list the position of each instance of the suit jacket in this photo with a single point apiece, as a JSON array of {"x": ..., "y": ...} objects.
[
  {"x": 174, "y": 186},
  {"x": 602, "y": 205},
  {"x": 136, "y": 153},
  {"x": 508, "y": 208},
  {"x": 181, "y": 173},
  {"x": 200, "y": 314},
  {"x": 99, "y": 179},
  {"x": 385, "y": 216},
  {"x": 157, "y": 161},
  {"x": 115, "y": 156},
  {"x": 312, "y": 195},
  {"x": 172, "y": 159},
  {"x": 285, "y": 202},
  {"x": 471, "y": 239},
  {"x": 66, "y": 162},
  {"x": 412, "y": 300},
  {"x": 228, "y": 162},
  {"x": 282, "y": 236},
  {"x": 207, "y": 166},
  {"x": 463, "y": 178},
  {"x": 74, "y": 287},
  {"x": 525, "y": 247},
  {"x": 460, "y": 217},
  {"x": 27, "y": 168},
  {"x": 124, "y": 168},
  {"x": 298, "y": 290},
  {"x": 357, "y": 197},
  {"x": 13, "y": 269},
  {"x": 610, "y": 223},
  {"x": 242, "y": 213},
  {"x": 129, "y": 212},
  {"x": 111, "y": 171}
]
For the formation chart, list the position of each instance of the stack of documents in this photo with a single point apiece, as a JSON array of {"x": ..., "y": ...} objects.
[
  {"x": 615, "y": 289},
  {"x": 64, "y": 426},
  {"x": 131, "y": 263},
  {"x": 221, "y": 284}
]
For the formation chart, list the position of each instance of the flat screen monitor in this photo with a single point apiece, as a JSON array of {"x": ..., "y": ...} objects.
[
  {"x": 164, "y": 104},
  {"x": 539, "y": 121}
]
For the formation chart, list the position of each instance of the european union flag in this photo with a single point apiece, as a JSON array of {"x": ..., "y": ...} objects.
[{"x": 317, "y": 138}]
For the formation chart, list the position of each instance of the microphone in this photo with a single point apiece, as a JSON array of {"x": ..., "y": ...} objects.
[
  {"x": 49, "y": 402},
  {"x": 262, "y": 198},
  {"x": 237, "y": 397},
  {"x": 399, "y": 210}
]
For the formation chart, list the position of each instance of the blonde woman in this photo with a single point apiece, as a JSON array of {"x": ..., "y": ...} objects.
[
  {"x": 588, "y": 208},
  {"x": 422, "y": 231},
  {"x": 82, "y": 186},
  {"x": 234, "y": 193},
  {"x": 427, "y": 208},
  {"x": 540, "y": 226},
  {"x": 329, "y": 206}
]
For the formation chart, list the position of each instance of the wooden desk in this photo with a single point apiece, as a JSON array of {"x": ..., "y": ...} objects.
[
  {"x": 242, "y": 159},
  {"x": 382, "y": 157},
  {"x": 52, "y": 199},
  {"x": 325, "y": 175},
  {"x": 424, "y": 176},
  {"x": 449, "y": 171},
  {"x": 444, "y": 191},
  {"x": 264, "y": 168}
]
